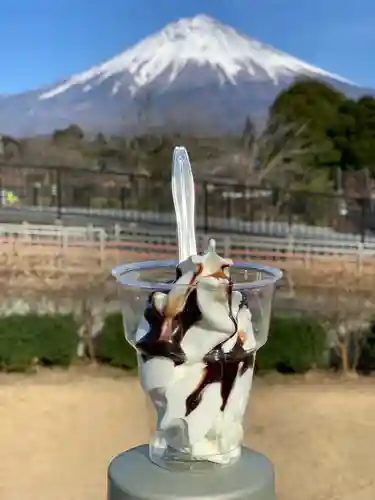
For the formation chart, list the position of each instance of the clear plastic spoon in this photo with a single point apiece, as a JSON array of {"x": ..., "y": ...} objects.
[{"x": 183, "y": 193}]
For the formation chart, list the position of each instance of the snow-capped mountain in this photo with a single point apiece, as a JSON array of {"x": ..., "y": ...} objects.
[{"x": 195, "y": 72}]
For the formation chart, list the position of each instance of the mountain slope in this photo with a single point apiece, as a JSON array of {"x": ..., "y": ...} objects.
[
  {"x": 201, "y": 41},
  {"x": 195, "y": 72}
]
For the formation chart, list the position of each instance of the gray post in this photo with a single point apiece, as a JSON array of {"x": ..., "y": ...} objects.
[{"x": 132, "y": 476}]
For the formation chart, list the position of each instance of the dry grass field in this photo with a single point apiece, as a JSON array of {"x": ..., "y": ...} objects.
[
  {"x": 59, "y": 430},
  {"x": 44, "y": 267}
]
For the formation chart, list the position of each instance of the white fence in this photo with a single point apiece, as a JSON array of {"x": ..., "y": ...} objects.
[
  {"x": 53, "y": 233},
  {"x": 130, "y": 238}
]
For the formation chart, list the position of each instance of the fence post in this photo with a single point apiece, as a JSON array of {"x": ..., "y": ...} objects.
[
  {"x": 65, "y": 239},
  {"x": 90, "y": 232},
  {"x": 25, "y": 232},
  {"x": 360, "y": 258},
  {"x": 307, "y": 256},
  {"x": 102, "y": 238},
  {"x": 132, "y": 476},
  {"x": 117, "y": 231},
  {"x": 290, "y": 243},
  {"x": 227, "y": 246}
]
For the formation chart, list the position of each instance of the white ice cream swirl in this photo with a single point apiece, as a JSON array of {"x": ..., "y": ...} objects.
[{"x": 196, "y": 353}]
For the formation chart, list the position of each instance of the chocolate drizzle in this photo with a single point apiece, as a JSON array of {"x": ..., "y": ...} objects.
[
  {"x": 151, "y": 346},
  {"x": 221, "y": 367}
]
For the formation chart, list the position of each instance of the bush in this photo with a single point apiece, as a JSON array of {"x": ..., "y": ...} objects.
[
  {"x": 295, "y": 345},
  {"x": 29, "y": 339},
  {"x": 112, "y": 348},
  {"x": 366, "y": 362},
  {"x": 58, "y": 339}
]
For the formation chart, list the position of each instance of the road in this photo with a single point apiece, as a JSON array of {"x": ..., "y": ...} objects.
[
  {"x": 19, "y": 215},
  {"x": 148, "y": 221},
  {"x": 76, "y": 217}
]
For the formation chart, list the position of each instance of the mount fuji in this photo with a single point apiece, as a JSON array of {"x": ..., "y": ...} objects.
[{"x": 196, "y": 73}]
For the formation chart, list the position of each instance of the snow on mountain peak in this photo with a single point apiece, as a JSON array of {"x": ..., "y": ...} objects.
[{"x": 200, "y": 40}]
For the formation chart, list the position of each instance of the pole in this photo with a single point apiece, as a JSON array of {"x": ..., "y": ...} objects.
[
  {"x": 58, "y": 194},
  {"x": 132, "y": 476},
  {"x": 363, "y": 221},
  {"x": 228, "y": 206},
  {"x": 122, "y": 197},
  {"x": 205, "y": 208}
]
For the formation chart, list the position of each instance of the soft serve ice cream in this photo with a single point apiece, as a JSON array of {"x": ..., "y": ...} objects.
[{"x": 196, "y": 350}]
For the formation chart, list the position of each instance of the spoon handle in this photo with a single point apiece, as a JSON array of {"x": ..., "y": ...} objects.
[{"x": 183, "y": 193}]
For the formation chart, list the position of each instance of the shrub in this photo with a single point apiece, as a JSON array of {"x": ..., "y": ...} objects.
[
  {"x": 112, "y": 348},
  {"x": 295, "y": 345},
  {"x": 28, "y": 339},
  {"x": 17, "y": 345},
  {"x": 366, "y": 362},
  {"x": 58, "y": 339}
]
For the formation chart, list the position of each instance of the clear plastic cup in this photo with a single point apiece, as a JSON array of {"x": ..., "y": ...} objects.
[{"x": 196, "y": 375}]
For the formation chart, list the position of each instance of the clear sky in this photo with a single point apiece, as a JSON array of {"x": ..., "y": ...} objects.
[{"x": 42, "y": 41}]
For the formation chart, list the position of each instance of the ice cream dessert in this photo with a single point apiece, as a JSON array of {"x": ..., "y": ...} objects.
[{"x": 196, "y": 350}]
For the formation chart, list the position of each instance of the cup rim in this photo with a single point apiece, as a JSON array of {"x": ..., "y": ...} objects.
[{"x": 121, "y": 271}]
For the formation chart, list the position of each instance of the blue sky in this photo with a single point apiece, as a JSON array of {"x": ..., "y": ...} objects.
[{"x": 42, "y": 41}]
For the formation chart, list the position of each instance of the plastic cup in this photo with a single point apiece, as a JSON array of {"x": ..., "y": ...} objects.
[{"x": 197, "y": 389}]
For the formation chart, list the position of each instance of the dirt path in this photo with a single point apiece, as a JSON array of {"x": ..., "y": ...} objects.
[{"x": 58, "y": 431}]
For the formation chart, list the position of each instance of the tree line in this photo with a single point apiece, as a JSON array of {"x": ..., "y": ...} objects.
[
  {"x": 312, "y": 130},
  {"x": 341, "y": 131}
]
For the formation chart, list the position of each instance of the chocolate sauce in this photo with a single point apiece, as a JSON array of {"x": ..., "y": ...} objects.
[
  {"x": 224, "y": 368},
  {"x": 224, "y": 372},
  {"x": 151, "y": 346},
  {"x": 187, "y": 318},
  {"x": 213, "y": 372},
  {"x": 220, "y": 367}
]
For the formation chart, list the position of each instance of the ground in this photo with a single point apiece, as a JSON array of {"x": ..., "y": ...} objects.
[{"x": 59, "y": 430}]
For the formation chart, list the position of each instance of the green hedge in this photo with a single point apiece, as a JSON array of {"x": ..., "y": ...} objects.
[
  {"x": 366, "y": 362},
  {"x": 32, "y": 339},
  {"x": 295, "y": 345},
  {"x": 112, "y": 348}
]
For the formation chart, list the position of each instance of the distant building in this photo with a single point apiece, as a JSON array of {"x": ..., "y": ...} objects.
[{"x": 9, "y": 148}]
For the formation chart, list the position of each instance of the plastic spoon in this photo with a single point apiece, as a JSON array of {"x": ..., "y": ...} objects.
[{"x": 183, "y": 193}]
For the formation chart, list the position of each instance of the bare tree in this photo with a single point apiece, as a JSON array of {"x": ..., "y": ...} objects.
[
  {"x": 349, "y": 326},
  {"x": 45, "y": 152},
  {"x": 277, "y": 155}
]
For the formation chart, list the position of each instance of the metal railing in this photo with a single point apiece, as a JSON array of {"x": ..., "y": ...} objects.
[{"x": 222, "y": 204}]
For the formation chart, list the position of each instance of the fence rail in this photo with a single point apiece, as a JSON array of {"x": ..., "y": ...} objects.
[{"x": 163, "y": 241}]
